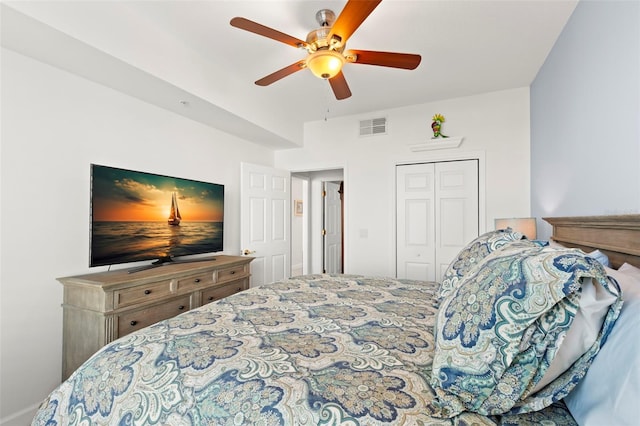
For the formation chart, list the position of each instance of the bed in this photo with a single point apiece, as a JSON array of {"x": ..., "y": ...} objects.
[{"x": 358, "y": 350}]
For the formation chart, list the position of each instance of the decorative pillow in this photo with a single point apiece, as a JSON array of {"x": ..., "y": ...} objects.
[
  {"x": 499, "y": 330},
  {"x": 473, "y": 253},
  {"x": 610, "y": 391},
  {"x": 594, "y": 304},
  {"x": 596, "y": 254}
]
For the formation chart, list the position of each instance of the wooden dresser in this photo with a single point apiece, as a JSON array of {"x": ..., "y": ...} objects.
[{"x": 99, "y": 308}]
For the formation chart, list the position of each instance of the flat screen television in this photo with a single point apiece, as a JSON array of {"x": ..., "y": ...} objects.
[{"x": 139, "y": 216}]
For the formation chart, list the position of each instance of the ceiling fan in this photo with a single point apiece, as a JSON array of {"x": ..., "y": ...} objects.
[{"x": 325, "y": 47}]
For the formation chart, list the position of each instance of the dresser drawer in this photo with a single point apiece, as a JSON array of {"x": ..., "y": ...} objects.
[
  {"x": 142, "y": 294},
  {"x": 228, "y": 274},
  {"x": 195, "y": 282},
  {"x": 131, "y": 321},
  {"x": 217, "y": 293}
]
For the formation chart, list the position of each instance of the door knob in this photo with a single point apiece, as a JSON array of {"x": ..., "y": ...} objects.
[{"x": 247, "y": 252}]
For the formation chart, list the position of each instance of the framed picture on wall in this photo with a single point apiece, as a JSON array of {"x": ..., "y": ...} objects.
[{"x": 297, "y": 207}]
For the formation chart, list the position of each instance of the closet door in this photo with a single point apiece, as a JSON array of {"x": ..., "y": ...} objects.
[
  {"x": 437, "y": 214},
  {"x": 415, "y": 222},
  {"x": 456, "y": 224}
]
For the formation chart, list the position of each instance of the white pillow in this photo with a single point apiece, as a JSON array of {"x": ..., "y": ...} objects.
[
  {"x": 628, "y": 269},
  {"x": 609, "y": 394},
  {"x": 628, "y": 277},
  {"x": 600, "y": 257}
]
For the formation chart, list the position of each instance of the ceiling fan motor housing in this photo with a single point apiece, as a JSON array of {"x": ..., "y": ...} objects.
[{"x": 318, "y": 39}]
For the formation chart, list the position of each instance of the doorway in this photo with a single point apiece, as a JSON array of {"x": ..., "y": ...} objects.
[{"x": 307, "y": 239}]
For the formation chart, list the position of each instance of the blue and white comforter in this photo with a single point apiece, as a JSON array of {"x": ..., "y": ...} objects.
[{"x": 312, "y": 350}]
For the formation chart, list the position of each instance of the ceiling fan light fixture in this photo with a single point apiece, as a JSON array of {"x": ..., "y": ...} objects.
[{"x": 325, "y": 64}]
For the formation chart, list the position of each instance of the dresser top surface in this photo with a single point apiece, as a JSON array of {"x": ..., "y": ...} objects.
[{"x": 160, "y": 272}]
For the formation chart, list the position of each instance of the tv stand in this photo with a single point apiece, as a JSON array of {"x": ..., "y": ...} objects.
[
  {"x": 101, "y": 307},
  {"x": 166, "y": 260}
]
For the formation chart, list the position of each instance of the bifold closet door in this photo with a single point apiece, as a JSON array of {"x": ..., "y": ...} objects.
[
  {"x": 437, "y": 214},
  {"x": 415, "y": 222},
  {"x": 457, "y": 215}
]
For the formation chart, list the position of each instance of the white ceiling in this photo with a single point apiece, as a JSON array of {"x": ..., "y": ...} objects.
[{"x": 185, "y": 57}]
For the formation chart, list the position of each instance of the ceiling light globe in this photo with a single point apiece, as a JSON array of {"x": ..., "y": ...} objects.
[{"x": 325, "y": 63}]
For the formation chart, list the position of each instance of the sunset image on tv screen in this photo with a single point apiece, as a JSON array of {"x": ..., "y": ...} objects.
[{"x": 141, "y": 216}]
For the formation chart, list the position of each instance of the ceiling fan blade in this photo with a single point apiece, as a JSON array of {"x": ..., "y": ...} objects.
[
  {"x": 254, "y": 27},
  {"x": 407, "y": 61},
  {"x": 288, "y": 70},
  {"x": 353, "y": 14},
  {"x": 340, "y": 86}
]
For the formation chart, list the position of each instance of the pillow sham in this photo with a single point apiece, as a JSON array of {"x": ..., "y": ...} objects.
[
  {"x": 473, "y": 253},
  {"x": 596, "y": 254},
  {"x": 583, "y": 332},
  {"x": 616, "y": 403},
  {"x": 499, "y": 330}
]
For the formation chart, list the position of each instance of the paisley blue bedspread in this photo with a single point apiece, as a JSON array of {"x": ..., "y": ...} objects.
[{"x": 311, "y": 350}]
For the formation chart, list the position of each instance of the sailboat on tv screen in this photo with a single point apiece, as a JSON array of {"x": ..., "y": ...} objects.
[{"x": 174, "y": 215}]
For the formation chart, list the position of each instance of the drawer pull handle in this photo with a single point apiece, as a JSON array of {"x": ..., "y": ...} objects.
[
  {"x": 239, "y": 288},
  {"x": 133, "y": 323},
  {"x": 212, "y": 298},
  {"x": 181, "y": 307},
  {"x": 197, "y": 280},
  {"x": 147, "y": 292},
  {"x": 232, "y": 272}
]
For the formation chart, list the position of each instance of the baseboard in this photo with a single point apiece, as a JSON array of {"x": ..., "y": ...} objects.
[{"x": 21, "y": 418}]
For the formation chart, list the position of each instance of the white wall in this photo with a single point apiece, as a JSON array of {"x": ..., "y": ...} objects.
[
  {"x": 54, "y": 125},
  {"x": 585, "y": 116},
  {"x": 494, "y": 125}
]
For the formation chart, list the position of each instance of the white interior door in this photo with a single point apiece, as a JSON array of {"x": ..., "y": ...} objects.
[
  {"x": 437, "y": 214},
  {"x": 415, "y": 224},
  {"x": 265, "y": 205},
  {"x": 332, "y": 239}
]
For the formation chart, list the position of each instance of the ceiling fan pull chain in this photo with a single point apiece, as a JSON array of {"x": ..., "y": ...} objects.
[{"x": 327, "y": 101}]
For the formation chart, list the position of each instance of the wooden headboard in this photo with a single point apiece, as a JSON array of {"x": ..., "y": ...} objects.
[{"x": 617, "y": 236}]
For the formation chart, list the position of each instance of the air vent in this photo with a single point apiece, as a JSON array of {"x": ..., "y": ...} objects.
[{"x": 375, "y": 126}]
